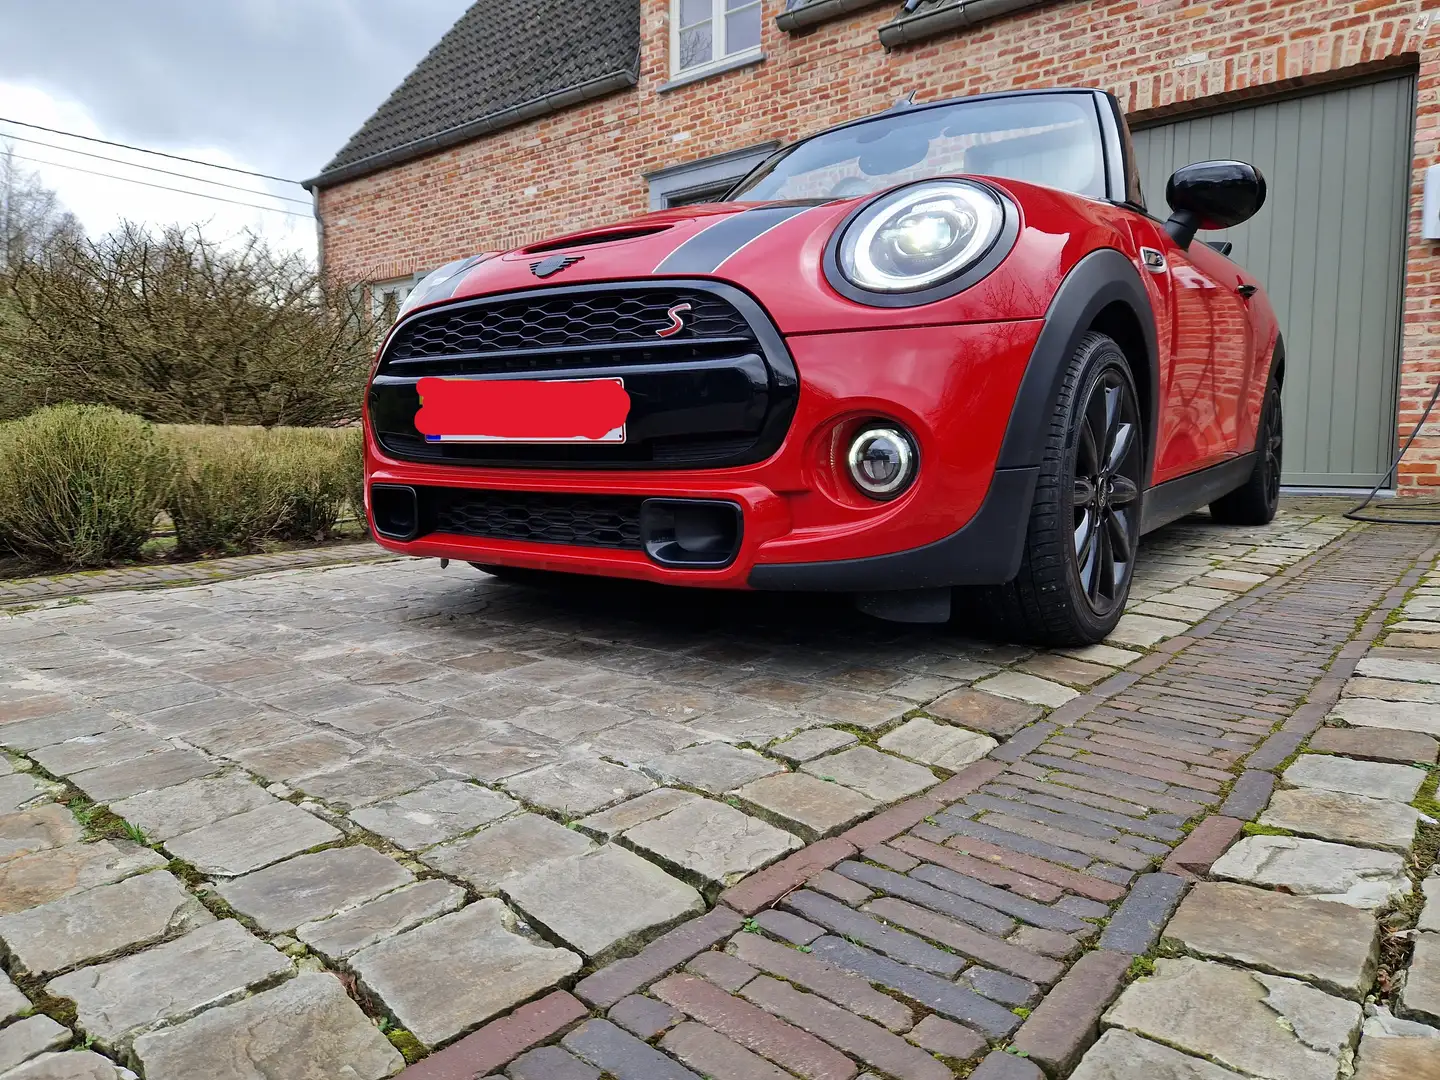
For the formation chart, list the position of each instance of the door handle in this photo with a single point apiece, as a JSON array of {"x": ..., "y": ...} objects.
[{"x": 1247, "y": 291}]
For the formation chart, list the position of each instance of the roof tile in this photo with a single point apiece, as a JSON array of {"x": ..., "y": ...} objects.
[{"x": 500, "y": 54}]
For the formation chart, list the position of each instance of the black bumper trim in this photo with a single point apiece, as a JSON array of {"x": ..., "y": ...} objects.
[{"x": 986, "y": 551}]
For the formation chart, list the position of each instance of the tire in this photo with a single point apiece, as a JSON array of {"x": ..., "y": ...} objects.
[
  {"x": 1084, "y": 526},
  {"x": 1255, "y": 501}
]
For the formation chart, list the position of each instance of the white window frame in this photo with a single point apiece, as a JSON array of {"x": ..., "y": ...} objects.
[
  {"x": 399, "y": 288},
  {"x": 720, "y": 59}
]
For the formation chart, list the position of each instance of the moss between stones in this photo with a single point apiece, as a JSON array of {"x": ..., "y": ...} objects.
[
  {"x": 185, "y": 872},
  {"x": 411, "y": 1048},
  {"x": 99, "y": 823},
  {"x": 1140, "y": 967},
  {"x": 1300, "y": 751},
  {"x": 1254, "y": 828},
  {"x": 1425, "y": 800},
  {"x": 61, "y": 1010},
  {"x": 958, "y": 1068}
]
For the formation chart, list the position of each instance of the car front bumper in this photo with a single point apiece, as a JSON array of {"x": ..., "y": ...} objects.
[{"x": 803, "y": 525}]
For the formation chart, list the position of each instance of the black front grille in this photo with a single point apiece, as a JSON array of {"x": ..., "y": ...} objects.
[
  {"x": 720, "y": 391},
  {"x": 565, "y": 321},
  {"x": 605, "y": 521}
]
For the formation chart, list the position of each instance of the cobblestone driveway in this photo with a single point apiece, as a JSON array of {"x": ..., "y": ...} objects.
[{"x": 459, "y": 794}]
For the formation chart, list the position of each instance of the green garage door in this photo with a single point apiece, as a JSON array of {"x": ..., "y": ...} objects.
[{"x": 1329, "y": 246}]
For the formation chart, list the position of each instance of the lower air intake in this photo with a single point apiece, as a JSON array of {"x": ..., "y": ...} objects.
[{"x": 605, "y": 521}]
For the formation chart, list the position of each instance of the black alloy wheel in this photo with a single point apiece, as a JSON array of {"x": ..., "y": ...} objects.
[
  {"x": 1256, "y": 500},
  {"x": 1273, "y": 433},
  {"x": 1106, "y": 499}
]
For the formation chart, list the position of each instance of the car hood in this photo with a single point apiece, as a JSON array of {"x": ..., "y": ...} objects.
[
  {"x": 692, "y": 241},
  {"x": 775, "y": 251}
]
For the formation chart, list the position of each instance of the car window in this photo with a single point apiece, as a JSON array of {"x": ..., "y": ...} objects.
[{"x": 1050, "y": 139}]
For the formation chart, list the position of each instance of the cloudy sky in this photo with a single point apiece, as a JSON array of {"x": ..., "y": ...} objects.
[{"x": 273, "y": 86}]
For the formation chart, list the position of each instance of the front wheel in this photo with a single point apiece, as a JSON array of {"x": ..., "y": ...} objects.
[
  {"x": 1255, "y": 501},
  {"x": 1084, "y": 525}
]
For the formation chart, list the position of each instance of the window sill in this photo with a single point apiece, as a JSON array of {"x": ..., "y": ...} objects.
[{"x": 695, "y": 74}]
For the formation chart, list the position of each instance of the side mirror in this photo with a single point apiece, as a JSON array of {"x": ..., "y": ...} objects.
[{"x": 1212, "y": 195}]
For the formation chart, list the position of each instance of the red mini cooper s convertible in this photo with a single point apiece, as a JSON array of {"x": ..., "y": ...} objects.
[{"x": 942, "y": 355}]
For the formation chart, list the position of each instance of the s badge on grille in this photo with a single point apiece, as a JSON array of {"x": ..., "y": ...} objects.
[
  {"x": 554, "y": 264},
  {"x": 676, "y": 322}
]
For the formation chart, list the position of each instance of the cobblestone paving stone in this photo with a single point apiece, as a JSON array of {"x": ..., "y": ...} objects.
[
  {"x": 1301, "y": 924},
  {"x": 969, "y": 901},
  {"x": 24, "y": 591},
  {"x": 445, "y": 724}
]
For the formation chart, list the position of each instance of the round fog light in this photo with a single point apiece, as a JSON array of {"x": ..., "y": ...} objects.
[{"x": 882, "y": 462}]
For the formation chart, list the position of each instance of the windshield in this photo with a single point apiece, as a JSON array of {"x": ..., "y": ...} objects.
[{"x": 1051, "y": 139}]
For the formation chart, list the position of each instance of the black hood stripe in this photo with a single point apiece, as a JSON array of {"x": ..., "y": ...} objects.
[{"x": 706, "y": 250}]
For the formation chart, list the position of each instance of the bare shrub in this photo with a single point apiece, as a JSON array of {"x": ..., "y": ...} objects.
[{"x": 178, "y": 328}]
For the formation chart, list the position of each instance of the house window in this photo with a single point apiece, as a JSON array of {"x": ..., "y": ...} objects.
[
  {"x": 705, "y": 180},
  {"x": 700, "y": 194},
  {"x": 712, "y": 33},
  {"x": 387, "y": 296}
]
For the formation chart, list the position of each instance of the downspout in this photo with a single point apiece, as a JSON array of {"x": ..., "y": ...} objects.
[{"x": 319, "y": 231}]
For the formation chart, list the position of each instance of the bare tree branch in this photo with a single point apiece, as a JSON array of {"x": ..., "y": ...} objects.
[{"x": 178, "y": 328}]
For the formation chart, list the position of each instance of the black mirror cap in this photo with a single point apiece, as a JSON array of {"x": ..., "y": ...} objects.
[{"x": 1212, "y": 195}]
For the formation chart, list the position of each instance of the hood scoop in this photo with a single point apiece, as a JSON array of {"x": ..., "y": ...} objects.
[{"x": 601, "y": 236}]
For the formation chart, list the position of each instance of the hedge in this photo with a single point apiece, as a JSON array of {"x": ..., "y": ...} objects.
[
  {"x": 237, "y": 489},
  {"x": 81, "y": 486}
]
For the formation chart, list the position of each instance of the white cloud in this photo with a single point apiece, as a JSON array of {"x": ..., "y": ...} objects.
[{"x": 101, "y": 202}]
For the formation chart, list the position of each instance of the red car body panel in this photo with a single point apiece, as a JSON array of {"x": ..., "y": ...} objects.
[{"x": 949, "y": 371}]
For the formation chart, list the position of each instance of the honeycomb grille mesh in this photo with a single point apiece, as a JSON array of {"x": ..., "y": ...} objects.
[
  {"x": 605, "y": 521},
  {"x": 567, "y": 320}
]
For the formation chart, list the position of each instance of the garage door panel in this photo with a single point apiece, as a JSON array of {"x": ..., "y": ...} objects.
[
  {"x": 1349, "y": 164},
  {"x": 1361, "y": 310},
  {"x": 1329, "y": 246},
  {"x": 1383, "y": 273}
]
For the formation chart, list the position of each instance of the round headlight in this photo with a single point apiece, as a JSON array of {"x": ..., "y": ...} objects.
[
  {"x": 882, "y": 462},
  {"x": 920, "y": 236}
]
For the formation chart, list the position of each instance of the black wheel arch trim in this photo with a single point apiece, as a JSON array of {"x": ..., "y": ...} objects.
[
  {"x": 1277, "y": 361},
  {"x": 1102, "y": 278}
]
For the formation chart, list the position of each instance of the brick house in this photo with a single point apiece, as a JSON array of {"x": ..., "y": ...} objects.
[{"x": 532, "y": 118}]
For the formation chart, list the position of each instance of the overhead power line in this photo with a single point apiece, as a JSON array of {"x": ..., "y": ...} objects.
[
  {"x": 162, "y": 187},
  {"x": 142, "y": 150},
  {"x": 153, "y": 168}
]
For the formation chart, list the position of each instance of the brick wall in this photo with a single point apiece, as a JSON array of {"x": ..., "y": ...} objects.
[{"x": 585, "y": 166}]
